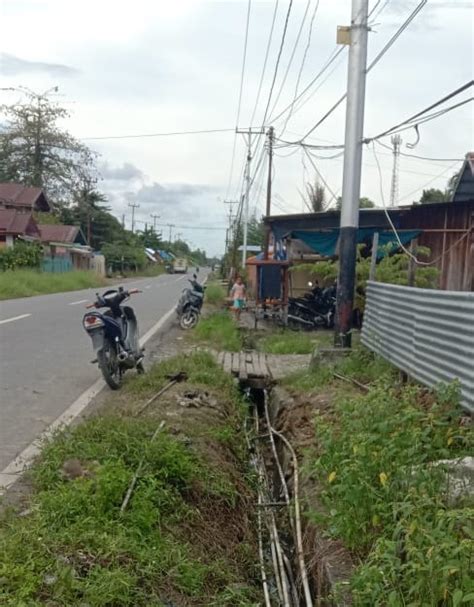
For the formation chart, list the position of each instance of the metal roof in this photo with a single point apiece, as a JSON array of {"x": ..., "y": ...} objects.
[
  {"x": 61, "y": 233},
  {"x": 464, "y": 190},
  {"x": 18, "y": 195},
  {"x": 15, "y": 223}
]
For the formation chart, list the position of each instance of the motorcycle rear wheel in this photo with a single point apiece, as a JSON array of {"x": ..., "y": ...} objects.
[
  {"x": 189, "y": 319},
  {"x": 109, "y": 366}
]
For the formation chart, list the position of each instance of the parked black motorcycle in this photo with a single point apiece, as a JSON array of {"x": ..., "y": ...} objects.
[
  {"x": 314, "y": 309},
  {"x": 114, "y": 335},
  {"x": 190, "y": 304}
]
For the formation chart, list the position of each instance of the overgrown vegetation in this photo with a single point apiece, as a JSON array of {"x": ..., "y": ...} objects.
[
  {"x": 21, "y": 255},
  {"x": 170, "y": 547},
  {"x": 26, "y": 283},
  {"x": 392, "y": 268},
  {"x": 220, "y": 332},
  {"x": 380, "y": 493},
  {"x": 215, "y": 294},
  {"x": 293, "y": 342}
]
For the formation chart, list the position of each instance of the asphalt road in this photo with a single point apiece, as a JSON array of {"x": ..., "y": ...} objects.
[{"x": 45, "y": 355}]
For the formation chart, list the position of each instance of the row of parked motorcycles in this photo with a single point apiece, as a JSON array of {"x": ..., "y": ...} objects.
[
  {"x": 113, "y": 329},
  {"x": 315, "y": 309}
]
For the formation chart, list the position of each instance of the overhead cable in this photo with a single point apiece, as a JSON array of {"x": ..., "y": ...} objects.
[
  {"x": 277, "y": 65},
  {"x": 374, "y": 62},
  {"x": 144, "y": 135},
  {"x": 262, "y": 77},
  {"x": 292, "y": 56},
  {"x": 239, "y": 104}
]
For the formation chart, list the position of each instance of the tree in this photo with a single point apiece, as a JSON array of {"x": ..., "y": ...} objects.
[
  {"x": 433, "y": 195},
  {"x": 316, "y": 196},
  {"x": 364, "y": 203},
  {"x": 150, "y": 239},
  {"x": 35, "y": 151}
]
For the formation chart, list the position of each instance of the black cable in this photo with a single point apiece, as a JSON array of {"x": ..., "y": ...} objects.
[
  {"x": 270, "y": 37},
  {"x": 292, "y": 56},
  {"x": 282, "y": 43},
  {"x": 239, "y": 105},
  {"x": 461, "y": 89},
  {"x": 390, "y": 43},
  {"x": 428, "y": 158},
  {"x": 156, "y": 134}
]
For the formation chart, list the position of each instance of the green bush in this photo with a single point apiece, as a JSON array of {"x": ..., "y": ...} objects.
[{"x": 21, "y": 255}]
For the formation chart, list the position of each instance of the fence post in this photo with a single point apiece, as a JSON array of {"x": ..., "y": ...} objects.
[{"x": 373, "y": 260}]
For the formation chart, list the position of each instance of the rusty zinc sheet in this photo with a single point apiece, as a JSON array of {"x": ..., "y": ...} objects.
[{"x": 427, "y": 333}]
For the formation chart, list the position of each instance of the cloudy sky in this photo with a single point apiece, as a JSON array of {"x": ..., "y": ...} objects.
[{"x": 159, "y": 66}]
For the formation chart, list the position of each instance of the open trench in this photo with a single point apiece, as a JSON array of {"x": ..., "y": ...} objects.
[{"x": 284, "y": 573}]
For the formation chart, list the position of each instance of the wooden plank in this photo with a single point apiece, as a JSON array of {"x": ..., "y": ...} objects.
[
  {"x": 235, "y": 363},
  {"x": 267, "y": 367},
  {"x": 228, "y": 362},
  {"x": 251, "y": 365},
  {"x": 242, "y": 367},
  {"x": 220, "y": 358}
]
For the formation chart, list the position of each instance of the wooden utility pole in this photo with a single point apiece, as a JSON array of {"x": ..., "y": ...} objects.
[
  {"x": 133, "y": 206},
  {"x": 154, "y": 217},
  {"x": 270, "y": 135}
]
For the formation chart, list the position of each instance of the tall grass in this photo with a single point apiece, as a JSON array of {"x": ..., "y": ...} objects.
[
  {"x": 26, "y": 283},
  {"x": 215, "y": 294},
  {"x": 291, "y": 342},
  {"x": 220, "y": 332}
]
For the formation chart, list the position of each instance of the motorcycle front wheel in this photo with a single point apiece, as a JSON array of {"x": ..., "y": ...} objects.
[
  {"x": 109, "y": 365},
  {"x": 189, "y": 319}
]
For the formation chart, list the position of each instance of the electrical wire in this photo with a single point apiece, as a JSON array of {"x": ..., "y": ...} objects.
[
  {"x": 144, "y": 135},
  {"x": 292, "y": 56},
  {"x": 267, "y": 52},
  {"x": 318, "y": 172},
  {"x": 277, "y": 65},
  {"x": 413, "y": 118},
  {"x": 374, "y": 62},
  {"x": 427, "y": 158},
  {"x": 239, "y": 104},
  {"x": 394, "y": 230}
]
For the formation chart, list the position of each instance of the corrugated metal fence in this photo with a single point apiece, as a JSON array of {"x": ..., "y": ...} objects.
[{"x": 427, "y": 333}]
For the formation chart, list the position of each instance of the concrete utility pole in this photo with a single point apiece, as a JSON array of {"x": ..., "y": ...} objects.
[
  {"x": 155, "y": 218},
  {"x": 133, "y": 206},
  {"x": 396, "y": 142},
  {"x": 170, "y": 226},
  {"x": 352, "y": 172},
  {"x": 270, "y": 134},
  {"x": 249, "y": 132}
]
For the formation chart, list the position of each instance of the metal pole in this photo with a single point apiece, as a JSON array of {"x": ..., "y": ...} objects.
[
  {"x": 269, "y": 189},
  {"x": 396, "y": 142},
  {"x": 154, "y": 217},
  {"x": 352, "y": 172},
  {"x": 133, "y": 207},
  {"x": 246, "y": 204}
]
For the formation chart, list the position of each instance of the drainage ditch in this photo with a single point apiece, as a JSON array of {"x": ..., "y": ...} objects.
[{"x": 284, "y": 572}]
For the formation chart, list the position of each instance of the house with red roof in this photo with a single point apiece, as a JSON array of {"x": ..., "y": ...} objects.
[{"x": 26, "y": 199}]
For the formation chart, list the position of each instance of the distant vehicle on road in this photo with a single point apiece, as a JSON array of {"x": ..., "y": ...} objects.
[{"x": 180, "y": 265}]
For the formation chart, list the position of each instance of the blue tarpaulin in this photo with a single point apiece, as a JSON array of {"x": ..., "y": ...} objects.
[{"x": 325, "y": 243}]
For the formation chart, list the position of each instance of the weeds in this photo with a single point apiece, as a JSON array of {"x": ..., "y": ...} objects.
[
  {"x": 386, "y": 502},
  {"x": 74, "y": 547},
  {"x": 219, "y": 331},
  {"x": 291, "y": 342},
  {"x": 215, "y": 294},
  {"x": 26, "y": 283}
]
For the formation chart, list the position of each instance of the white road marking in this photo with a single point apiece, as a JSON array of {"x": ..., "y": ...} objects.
[
  {"x": 148, "y": 287},
  {"x": 15, "y": 468},
  {"x": 76, "y": 303},
  {"x": 181, "y": 277},
  {"x": 2, "y": 322}
]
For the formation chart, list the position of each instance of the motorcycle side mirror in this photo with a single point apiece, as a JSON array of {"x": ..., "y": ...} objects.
[
  {"x": 310, "y": 284},
  {"x": 194, "y": 276}
]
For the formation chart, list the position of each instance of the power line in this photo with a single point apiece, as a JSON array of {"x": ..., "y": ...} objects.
[
  {"x": 374, "y": 62},
  {"x": 292, "y": 56},
  {"x": 427, "y": 158},
  {"x": 239, "y": 104},
  {"x": 394, "y": 230},
  {"x": 163, "y": 225},
  {"x": 144, "y": 135},
  {"x": 280, "y": 50},
  {"x": 262, "y": 77}
]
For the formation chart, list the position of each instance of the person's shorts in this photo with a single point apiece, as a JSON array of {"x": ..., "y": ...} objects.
[{"x": 238, "y": 304}]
